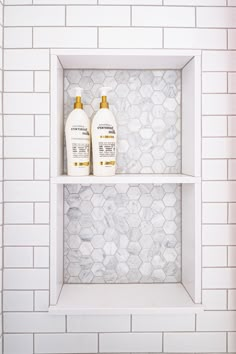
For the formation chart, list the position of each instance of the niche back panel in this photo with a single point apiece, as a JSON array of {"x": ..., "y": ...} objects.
[
  {"x": 147, "y": 108},
  {"x": 124, "y": 233}
]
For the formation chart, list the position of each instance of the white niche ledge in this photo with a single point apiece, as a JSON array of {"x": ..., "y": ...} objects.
[{"x": 130, "y": 298}]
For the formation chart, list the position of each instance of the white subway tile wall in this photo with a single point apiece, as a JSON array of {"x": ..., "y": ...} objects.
[{"x": 32, "y": 28}]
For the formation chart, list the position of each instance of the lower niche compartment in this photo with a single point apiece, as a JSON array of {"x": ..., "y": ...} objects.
[{"x": 122, "y": 233}]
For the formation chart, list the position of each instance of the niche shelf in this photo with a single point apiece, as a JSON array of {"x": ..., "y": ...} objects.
[{"x": 130, "y": 298}]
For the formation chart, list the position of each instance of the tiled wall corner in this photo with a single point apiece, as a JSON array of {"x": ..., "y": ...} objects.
[{"x": 32, "y": 28}]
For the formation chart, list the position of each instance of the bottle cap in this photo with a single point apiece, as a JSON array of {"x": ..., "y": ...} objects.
[
  {"x": 78, "y": 93},
  {"x": 103, "y": 92}
]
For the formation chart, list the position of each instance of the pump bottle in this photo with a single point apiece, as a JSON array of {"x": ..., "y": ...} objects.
[
  {"x": 77, "y": 133},
  {"x": 104, "y": 135}
]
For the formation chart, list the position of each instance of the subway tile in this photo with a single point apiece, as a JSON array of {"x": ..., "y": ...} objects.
[
  {"x": 130, "y": 38},
  {"x": 26, "y": 59},
  {"x": 161, "y": 323},
  {"x": 26, "y": 103},
  {"x": 65, "y": 37},
  {"x": 18, "y": 213},
  {"x": 219, "y": 278},
  {"x": 28, "y": 191},
  {"x": 214, "y": 169},
  {"x": 17, "y": 2},
  {"x": 232, "y": 335},
  {"x": 98, "y": 16},
  {"x": 33, "y": 322},
  {"x": 18, "y": 125},
  {"x": 214, "y": 213},
  {"x": 196, "y": 2},
  {"x": 41, "y": 257},
  {"x": 41, "y": 211},
  {"x": 18, "y": 301},
  {"x": 98, "y": 323},
  {"x": 130, "y": 2},
  {"x": 214, "y": 299},
  {"x": 18, "y": 169},
  {"x": 195, "y": 38},
  {"x": 18, "y": 81},
  {"x": 42, "y": 125},
  {"x": 219, "y": 235},
  {"x": 26, "y": 235},
  {"x": 232, "y": 256},
  {"x": 66, "y": 343},
  {"x": 232, "y": 169},
  {"x": 219, "y": 148},
  {"x": 232, "y": 299},
  {"x": 215, "y": 191},
  {"x": 232, "y": 210},
  {"x": 26, "y": 279},
  {"x": 41, "y": 300},
  {"x": 194, "y": 342},
  {"x": 232, "y": 125},
  {"x": 218, "y": 60},
  {"x": 163, "y": 16},
  {"x": 18, "y": 257},
  {"x": 18, "y": 37},
  {"x": 231, "y": 2},
  {"x": 215, "y": 256},
  {"x": 41, "y": 81},
  {"x": 34, "y": 16},
  {"x": 219, "y": 104},
  {"x": 231, "y": 39},
  {"x": 26, "y": 147},
  {"x": 65, "y": 2},
  {"x": 216, "y": 321},
  {"x": 41, "y": 167},
  {"x": 216, "y": 17},
  {"x": 214, "y": 126},
  {"x": 18, "y": 343},
  {"x": 232, "y": 82},
  {"x": 214, "y": 82},
  {"x": 130, "y": 342}
]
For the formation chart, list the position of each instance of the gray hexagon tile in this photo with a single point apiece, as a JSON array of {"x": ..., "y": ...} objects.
[
  {"x": 122, "y": 233},
  {"x": 146, "y": 104}
]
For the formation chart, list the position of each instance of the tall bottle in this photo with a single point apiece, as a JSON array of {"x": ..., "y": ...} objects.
[
  {"x": 78, "y": 139},
  {"x": 104, "y": 133}
]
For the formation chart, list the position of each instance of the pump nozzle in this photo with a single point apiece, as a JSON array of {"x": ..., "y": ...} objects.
[
  {"x": 103, "y": 92},
  {"x": 78, "y": 93}
]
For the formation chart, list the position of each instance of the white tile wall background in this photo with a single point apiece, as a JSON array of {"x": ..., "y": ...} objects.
[{"x": 32, "y": 28}]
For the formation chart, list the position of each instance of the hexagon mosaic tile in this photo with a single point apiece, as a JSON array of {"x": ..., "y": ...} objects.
[
  {"x": 147, "y": 107},
  {"x": 122, "y": 233}
]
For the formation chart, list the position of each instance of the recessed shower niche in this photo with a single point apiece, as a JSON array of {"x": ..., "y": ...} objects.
[
  {"x": 136, "y": 234},
  {"x": 128, "y": 233}
]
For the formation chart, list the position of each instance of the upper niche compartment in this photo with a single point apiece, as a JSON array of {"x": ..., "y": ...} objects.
[{"x": 147, "y": 108}]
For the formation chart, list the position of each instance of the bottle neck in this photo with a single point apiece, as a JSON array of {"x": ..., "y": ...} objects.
[
  {"x": 78, "y": 103},
  {"x": 104, "y": 103}
]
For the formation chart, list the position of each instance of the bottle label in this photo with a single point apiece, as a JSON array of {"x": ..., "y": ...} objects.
[
  {"x": 80, "y": 139},
  {"x": 107, "y": 144}
]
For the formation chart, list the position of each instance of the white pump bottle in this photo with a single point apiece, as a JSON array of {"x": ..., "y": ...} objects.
[
  {"x": 78, "y": 139},
  {"x": 104, "y": 133}
]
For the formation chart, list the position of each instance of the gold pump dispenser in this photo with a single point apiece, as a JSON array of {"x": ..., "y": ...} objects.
[
  {"x": 78, "y": 92},
  {"x": 103, "y": 92},
  {"x": 78, "y": 103},
  {"x": 104, "y": 103}
]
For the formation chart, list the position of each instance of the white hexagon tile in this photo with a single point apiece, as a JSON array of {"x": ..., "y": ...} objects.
[
  {"x": 146, "y": 104},
  {"x": 122, "y": 233}
]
